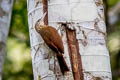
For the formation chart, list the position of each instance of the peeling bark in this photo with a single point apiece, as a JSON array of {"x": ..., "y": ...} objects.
[
  {"x": 45, "y": 9},
  {"x": 5, "y": 17},
  {"x": 87, "y": 18},
  {"x": 74, "y": 54}
]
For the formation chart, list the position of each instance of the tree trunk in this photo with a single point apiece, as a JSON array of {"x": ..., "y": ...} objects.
[
  {"x": 5, "y": 17},
  {"x": 83, "y": 32}
]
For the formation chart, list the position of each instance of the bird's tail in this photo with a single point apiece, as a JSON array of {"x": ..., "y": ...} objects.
[{"x": 63, "y": 66}]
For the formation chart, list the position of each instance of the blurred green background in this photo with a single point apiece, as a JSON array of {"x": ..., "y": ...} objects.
[{"x": 19, "y": 66}]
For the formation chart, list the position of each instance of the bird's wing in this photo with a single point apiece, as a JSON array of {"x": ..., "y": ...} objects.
[{"x": 56, "y": 39}]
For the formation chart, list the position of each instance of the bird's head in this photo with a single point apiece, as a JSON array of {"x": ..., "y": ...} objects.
[{"x": 40, "y": 23}]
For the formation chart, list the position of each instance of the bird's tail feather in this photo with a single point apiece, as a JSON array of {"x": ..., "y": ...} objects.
[{"x": 63, "y": 66}]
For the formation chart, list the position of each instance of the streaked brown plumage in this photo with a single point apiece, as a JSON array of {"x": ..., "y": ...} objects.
[{"x": 54, "y": 41}]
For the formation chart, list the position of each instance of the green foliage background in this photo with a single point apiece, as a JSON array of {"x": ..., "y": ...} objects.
[{"x": 18, "y": 64}]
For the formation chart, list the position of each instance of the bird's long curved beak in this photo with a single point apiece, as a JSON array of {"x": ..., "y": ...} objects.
[{"x": 43, "y": 16}]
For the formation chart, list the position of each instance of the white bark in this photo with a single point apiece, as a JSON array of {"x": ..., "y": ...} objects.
[
  {"x": 88, "y": 18},
  {"x": 5, "y": 16}
]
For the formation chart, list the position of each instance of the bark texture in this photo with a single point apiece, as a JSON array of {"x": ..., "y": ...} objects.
[
  {"x": 5, "y": 16},
  {"x": 86, "y": 17},
  {"x": 75, "y": 57}
]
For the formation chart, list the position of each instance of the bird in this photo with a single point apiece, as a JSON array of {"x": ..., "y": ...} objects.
[{"x": 52, "y": 38}]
